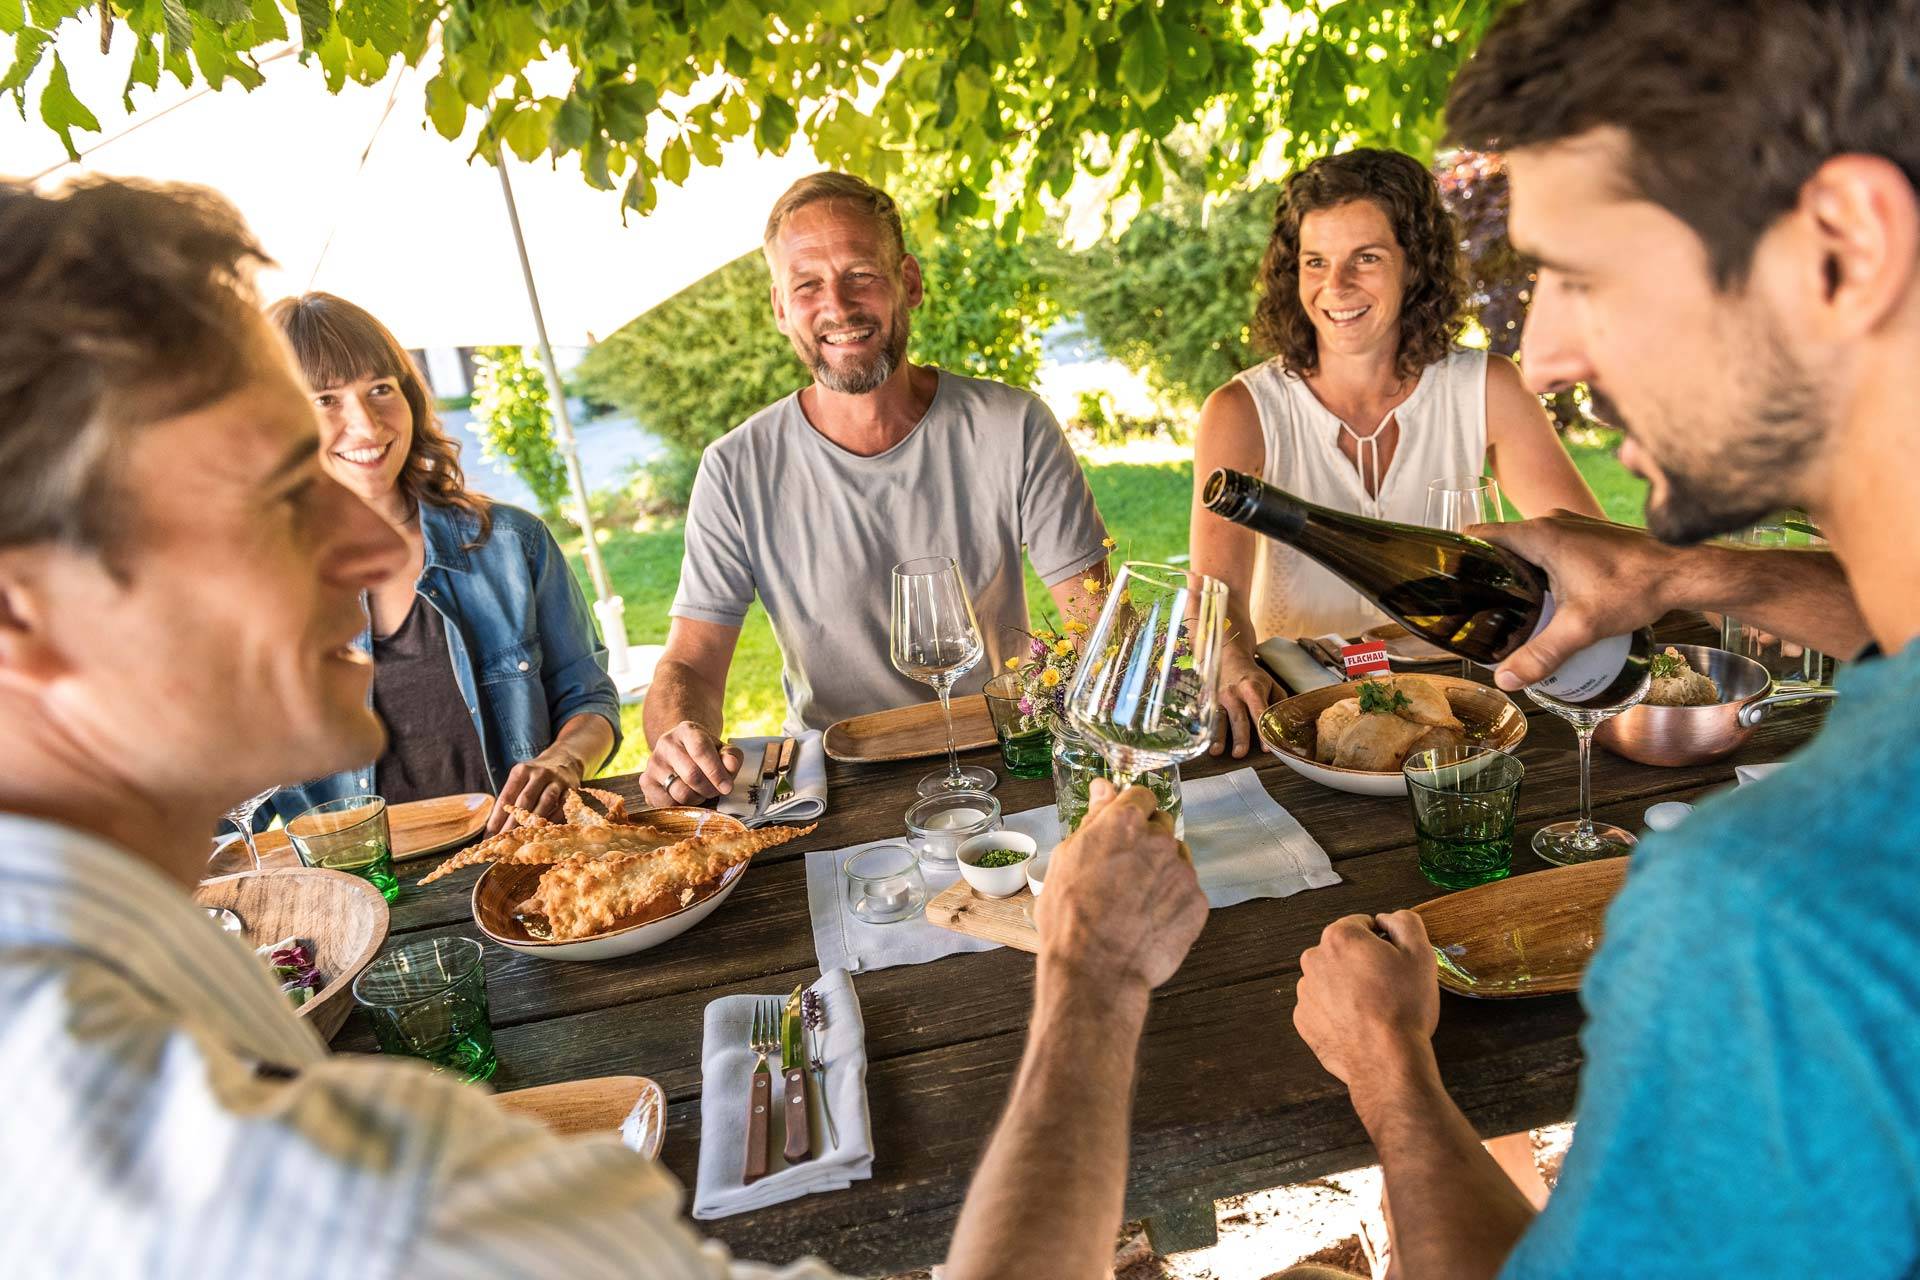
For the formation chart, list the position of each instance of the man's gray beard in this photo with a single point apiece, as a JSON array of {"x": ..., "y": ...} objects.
[
  {"x": 1761, "y": 467},
  {"x": 859, "y": 381}
]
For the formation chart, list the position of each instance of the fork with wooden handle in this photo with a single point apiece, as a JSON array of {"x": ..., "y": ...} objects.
[{"x": 763, "y": 1039}]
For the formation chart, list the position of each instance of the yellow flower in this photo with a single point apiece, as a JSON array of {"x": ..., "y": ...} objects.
[
  {"x": 1049, "y": 678},
  {"x": 1107, "y": 543},
  {"x": 1013, "y": 664},
  {"x": 1043, "y": 635},
  {"x": 1076, "y": 628},
  {"x": 1062, "y": 649},
  {"x": 1091, "y": 584}
]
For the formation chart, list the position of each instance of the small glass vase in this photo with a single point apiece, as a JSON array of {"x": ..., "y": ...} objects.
[{"x": 1077, "y": 762}]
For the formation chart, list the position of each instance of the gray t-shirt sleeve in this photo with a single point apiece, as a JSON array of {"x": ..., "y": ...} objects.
[
  {"x": 1059, "y": 522},
  {"x": 716, "y": 570}
]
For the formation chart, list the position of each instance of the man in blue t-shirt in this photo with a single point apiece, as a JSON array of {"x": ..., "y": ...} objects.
[{"x": 1724, "y": 199}]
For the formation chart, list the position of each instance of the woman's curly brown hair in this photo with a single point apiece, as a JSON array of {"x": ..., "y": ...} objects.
[
  {"x": 337, "y": 342},
  {"x": 1431, "y": 313}
]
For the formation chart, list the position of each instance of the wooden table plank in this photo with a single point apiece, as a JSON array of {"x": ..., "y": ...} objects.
[{"x": 1229, "y": 1098}]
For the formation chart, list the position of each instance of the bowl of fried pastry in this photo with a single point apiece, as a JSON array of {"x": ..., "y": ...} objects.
[
  {"x": 1701, "y": 705},
  {"x": 1355, "y": 736},
  {"x": 606, "y": 883}
]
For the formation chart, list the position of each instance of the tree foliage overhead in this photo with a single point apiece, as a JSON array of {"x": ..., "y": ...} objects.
[{"x": 993, "y": 104}]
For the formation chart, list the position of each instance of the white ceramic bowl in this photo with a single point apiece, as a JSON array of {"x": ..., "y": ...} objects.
[
  {"x": 1286, "y": 730},
  {"x": 1036, "y": 868},
  {"x": 997, "y": 882},
  {"x": 605, "y": 946}
]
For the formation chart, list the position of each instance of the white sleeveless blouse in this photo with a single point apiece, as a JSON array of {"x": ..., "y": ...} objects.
[{"x": 1443, "y": 432}]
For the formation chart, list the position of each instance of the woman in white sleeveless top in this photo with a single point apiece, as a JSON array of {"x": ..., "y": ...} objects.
[{"x": 1366, "y": 399}]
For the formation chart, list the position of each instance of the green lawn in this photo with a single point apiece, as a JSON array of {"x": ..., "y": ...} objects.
[{"x": 1145, "y": 505}]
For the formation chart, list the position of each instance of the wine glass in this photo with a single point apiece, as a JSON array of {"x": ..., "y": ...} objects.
[
  {"x": 241, "y": 816},
  {"x": 1149, "y": 683},
  {"x": 1457, "y": 503},
  {"x": 1564, "y": 843},
  {"x": 937, "y": 640}
]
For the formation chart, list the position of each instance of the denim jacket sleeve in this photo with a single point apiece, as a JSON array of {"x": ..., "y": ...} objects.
[{"x": 575, "y": 671}]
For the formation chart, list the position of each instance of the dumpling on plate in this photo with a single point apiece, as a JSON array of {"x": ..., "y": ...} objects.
[
  {"x": 1377, "y": 743},
  {"x": 1332, "y": 726},
  {"x": 1426, "y": 702},
  {"x": 1435, "y": 737}
]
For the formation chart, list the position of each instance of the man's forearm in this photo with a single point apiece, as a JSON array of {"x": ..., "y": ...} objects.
[
  {"x": 1799, "y": 595},
  {"x": 1046, "y": 1200},
  {"x": 1454, "y": 1212},
  {"x": 678, "y": 694}
]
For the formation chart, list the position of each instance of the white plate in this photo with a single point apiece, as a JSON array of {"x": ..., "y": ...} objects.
[
  {"x": 603, "y": 946},
  {"x": 1356, "y": 781}
]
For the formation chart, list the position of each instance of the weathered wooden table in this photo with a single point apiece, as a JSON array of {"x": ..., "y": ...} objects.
[{"x": 1229, "y": 1099}]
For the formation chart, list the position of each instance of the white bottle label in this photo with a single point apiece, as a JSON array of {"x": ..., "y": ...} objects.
[{"x": 1587, "y": 672}]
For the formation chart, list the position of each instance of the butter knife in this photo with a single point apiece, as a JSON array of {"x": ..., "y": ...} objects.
[
  {"x": 793, "y": 1069},
  {"x": 761, "y": 793}
]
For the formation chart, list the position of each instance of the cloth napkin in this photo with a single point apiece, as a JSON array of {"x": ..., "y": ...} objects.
[
  {"x": 805, "y": 802},
  {"x": 1244, "y": 846},
  {"x": 726, "y": 1069},
  {"x": 1296, "y": 668}
]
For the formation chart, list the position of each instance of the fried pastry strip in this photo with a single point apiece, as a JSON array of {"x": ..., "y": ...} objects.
[
  {"x": 580, "y": 898},
  {"x": 554, "y": 842}
]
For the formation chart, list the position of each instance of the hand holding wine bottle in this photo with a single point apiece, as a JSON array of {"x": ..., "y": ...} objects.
[
  {"x": 1463, "y": 594},
  {"x": 1607, "y": 579}
]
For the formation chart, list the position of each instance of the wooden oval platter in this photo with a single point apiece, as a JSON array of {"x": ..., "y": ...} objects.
[
  {"x": 910, "y": 733},
  {"x": 418, "y": 828},
  {"x": 1531, "y": 935}
]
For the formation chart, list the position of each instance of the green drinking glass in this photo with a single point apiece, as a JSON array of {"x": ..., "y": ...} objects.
[
  {"x": 427, "y": 999},
  {"x": 348, "y": 835},
  {"x": 1026, "y": 745},
  {"x": 1463, "y": 805}
]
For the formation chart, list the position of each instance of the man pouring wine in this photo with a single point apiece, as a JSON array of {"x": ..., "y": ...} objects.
[{"x": 1748, "y": 296}]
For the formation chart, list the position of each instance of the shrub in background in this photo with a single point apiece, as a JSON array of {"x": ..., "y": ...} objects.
[{"x": 515, "y": 426}]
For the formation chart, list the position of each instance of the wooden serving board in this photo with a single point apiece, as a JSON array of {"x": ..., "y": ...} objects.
[
  {"x": 418, "y": 828},
  {"x": 1004, "y": 920},
  {"x": 1532, "y": 935},
  {"x": 574, "y": 1108},
  {"x": 910, "y": 733}
]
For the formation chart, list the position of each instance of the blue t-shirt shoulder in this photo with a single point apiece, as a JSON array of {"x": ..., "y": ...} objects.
[{"x": 1751, "y": 1100}]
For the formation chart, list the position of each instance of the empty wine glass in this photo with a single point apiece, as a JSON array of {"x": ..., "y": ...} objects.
[
  {"x": 1457, "y": 503},
  {"x": 1149, "y": 683},
  {"x": 1584, "y": 840},
  {"x": 241, "y": 816},
  {"x": 936, "y": 639}
]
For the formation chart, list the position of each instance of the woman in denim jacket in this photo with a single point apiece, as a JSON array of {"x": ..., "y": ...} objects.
[{"x": 487, "y": 670}]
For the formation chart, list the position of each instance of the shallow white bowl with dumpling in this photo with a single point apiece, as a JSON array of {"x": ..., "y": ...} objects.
[{"x": 1288, "y": 728}]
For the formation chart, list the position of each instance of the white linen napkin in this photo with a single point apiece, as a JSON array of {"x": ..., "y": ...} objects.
[
  {"x": 726, "y": 1070},
  {"x": 806, "y": 801},
  {"x": 1296, "y": 668},
  {"x": 1244, "y": 846}
]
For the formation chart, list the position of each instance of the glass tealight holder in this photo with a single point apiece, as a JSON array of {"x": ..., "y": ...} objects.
[
  {"x": 884, "y": 885},
  {"x": 938, "y": 825}
]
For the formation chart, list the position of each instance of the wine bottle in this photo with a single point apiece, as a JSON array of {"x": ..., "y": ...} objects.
[{"x": 1467, "y": 596}]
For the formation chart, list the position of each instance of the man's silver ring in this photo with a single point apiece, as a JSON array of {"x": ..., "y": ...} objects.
[{"x": 671, "y": 779}]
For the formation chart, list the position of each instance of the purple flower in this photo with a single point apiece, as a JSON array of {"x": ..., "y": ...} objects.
[
  {"x": 1026, "y": 705},
  {"x": 811, "y": 1014},
  {"x": 1037, "y": 648}
]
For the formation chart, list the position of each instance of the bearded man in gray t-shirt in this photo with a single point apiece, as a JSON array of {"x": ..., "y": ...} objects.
[{"x": 811, "y": 502}]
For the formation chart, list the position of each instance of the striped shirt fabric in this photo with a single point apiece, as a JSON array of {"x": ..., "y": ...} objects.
[{"x": 141, "y": 1137}]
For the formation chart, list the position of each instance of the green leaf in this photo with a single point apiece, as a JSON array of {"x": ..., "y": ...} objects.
[
  {"x": 572, "y": 125},
  {"x": 145, "y": 69},
  {"x": 28, "y": 46},
  {"x": 179, "y": 25},
  {"x": 527, "y": 132},
  {"x": 445, "y": 107},
  {"x": 63, "y": 112},
  {"x": 705, "y": 149},
  {"x": 224, "y": 12},
  {"x": 384, "y": 24},
  {"x": 316, "y": 19},
  {"x": 774, "y": 129},
  {"x": 1143, "y": 63},
  {"x": 13, "y": 17},
  {"x": 331, "y": 53},
  {"x": 675, "y": 163}
]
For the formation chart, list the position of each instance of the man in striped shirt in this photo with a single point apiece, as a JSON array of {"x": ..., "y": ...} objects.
[{"x": 179, "y": 589}]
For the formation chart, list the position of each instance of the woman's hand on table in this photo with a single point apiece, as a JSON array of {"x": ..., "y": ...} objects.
[
  {"x": 539, "y": 785},
  {"x": 688, "y": 765},
  {"x": 1246, "y": 691},
  {"x": 1121, "y": 907}
]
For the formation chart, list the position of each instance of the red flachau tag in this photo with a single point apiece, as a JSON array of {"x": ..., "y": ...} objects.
[{"x": 1365, "y": 659}]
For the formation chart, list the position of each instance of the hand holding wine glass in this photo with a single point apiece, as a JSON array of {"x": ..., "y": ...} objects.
[
  {"x": 1148, "y": 686},
  {"x": 936, "y": 639}
]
